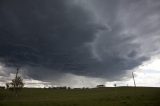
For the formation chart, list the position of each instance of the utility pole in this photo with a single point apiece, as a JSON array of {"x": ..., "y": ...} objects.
[
  {"x": 15, "y": 81},
  {"x": 17, "y": 72},
  {"x": 133, "y": 79}
]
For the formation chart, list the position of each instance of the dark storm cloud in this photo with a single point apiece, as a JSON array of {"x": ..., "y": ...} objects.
[
  {"x": 133, "y": 35},
  {"x": 45, "y": 33},
  {"x": 58, "y": 36},
  {"x": 35, "y": 30}
]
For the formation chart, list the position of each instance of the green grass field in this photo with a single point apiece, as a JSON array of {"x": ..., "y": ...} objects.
[{"x": 120, "y": 96}]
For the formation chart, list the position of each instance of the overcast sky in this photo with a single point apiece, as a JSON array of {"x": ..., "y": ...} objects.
[{"x": 80, "y": 43}]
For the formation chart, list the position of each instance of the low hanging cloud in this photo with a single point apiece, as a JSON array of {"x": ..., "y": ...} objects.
[{"x": 91, "y": 38}]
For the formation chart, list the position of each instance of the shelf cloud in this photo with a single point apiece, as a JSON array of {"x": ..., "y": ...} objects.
[{"x": 94, "y": 38}]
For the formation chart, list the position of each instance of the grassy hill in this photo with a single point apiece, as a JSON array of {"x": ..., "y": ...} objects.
[{"x": 120, "y": 96}]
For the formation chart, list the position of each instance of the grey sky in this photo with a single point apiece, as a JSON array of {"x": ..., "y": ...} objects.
[{"x": 93, "y": 38}]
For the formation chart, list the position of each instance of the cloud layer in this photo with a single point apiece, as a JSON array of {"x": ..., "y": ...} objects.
[{"x": 92, "y": 38}]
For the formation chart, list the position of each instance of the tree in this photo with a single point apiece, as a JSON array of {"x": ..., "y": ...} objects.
[
  {"x": 7, "y": 85},
  {"x": 17, "y": 83},
  {"x": 115, "y": 85}
]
